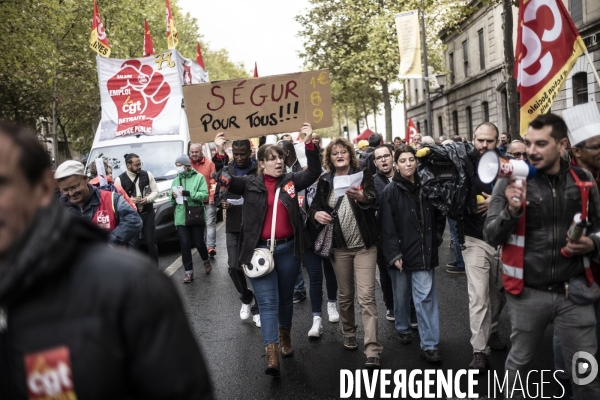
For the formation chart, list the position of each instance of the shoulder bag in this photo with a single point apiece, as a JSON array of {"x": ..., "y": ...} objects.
[
  {"x": 262, "y": 260},
  {"x": 324, "y": 242},
  {"x": 194, "y": 215}
]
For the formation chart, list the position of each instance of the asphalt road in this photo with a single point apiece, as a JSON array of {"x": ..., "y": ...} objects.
[{"x": 236, "y": 358}]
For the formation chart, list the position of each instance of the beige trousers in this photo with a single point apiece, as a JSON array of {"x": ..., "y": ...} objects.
[
  {"x": 362, "y": 263},
  {"x": 486, "y": 297}
]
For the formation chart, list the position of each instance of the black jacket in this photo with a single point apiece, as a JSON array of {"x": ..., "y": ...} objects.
[
  {"x": 380, "y": 181},
  {"x": 367, "y": 160},
  {"x": 404, "y": 236},
  {"x": 364, "y": 213},
  {"x": 119, "y": 318},
  {"x": 234, "y": 213},
  {"x": 255, "y": 205},
  {"x": 551, "y": 204}
]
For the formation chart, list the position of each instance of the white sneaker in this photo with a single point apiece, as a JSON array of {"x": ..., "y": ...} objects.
[
  {"x": 256, "y": 320},
  {"x": 317, "y": 328},
  {"x": 245, "y": 312},
  {"x": 332, "y": 312}
]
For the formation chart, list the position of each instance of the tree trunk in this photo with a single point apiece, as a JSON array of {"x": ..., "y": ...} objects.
[
  {"x": 509, "y": 64},
  {"x": 357, "y": 126},
  {"x": 62, "y": 129},
  {"x": 387, "y": 107}
]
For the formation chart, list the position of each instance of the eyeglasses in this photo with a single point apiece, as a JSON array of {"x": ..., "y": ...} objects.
[
  {"x": 73, "y": 189},
  {"x": 138, "y": 164},
  {"x": 592, "y": 148},
  {"x": 385, "y": 156},
  {"x": 518, "y": 155},
  {"x": 342, "y": 153}
]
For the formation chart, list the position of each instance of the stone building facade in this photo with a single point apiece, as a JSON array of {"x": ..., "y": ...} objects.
[{"x": 475, "y": 88}]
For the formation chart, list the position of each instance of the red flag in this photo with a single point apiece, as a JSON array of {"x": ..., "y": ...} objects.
[
  {"x": 172, "y": 35},
  {"x": 199, "y": 59},
  {"x": 548, "y": 45},
  {"x": 411, "y": 131},
  {"x": 148, "y": 45},
  {"x": 98, "y": 39},
  {"x": 255, "y": 70}
]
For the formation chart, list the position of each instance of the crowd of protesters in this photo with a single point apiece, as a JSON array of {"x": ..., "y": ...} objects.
[{"x": 514, "y": 249}]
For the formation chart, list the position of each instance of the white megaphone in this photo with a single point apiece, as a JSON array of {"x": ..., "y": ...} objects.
[{"x": 492, "y": 166}]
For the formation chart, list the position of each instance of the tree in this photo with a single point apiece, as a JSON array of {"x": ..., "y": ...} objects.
[{"x": 509, "y": 68}]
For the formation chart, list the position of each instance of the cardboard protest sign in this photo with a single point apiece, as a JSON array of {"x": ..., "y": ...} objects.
[{"x": 246, "y": 108}]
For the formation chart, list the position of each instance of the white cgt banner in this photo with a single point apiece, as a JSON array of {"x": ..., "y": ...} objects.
[{"x": 143, "y": 96}]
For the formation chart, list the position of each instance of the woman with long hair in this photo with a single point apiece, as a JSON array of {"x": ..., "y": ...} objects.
[
  {"x": 355, "y": 237},
  {"x": 275, "y": 290},
  {"x": 412, "y": 232}
]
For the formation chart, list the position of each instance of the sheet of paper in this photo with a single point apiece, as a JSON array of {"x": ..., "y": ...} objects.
[
  {"x": 342, "y": 183},
  {"x": 301, "y": 153},
  {"x": 178, "y": 190},
  {"x": 236, "y": 202}
]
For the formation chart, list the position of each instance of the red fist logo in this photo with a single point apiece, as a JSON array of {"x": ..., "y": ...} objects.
[{"x": 140, "y": 94}]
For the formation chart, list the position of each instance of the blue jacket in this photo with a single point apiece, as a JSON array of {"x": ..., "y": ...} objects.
[{"x": 129, "y": 222}]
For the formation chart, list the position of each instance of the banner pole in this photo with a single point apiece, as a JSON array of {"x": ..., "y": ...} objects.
[{"x": 587, "y": 55}]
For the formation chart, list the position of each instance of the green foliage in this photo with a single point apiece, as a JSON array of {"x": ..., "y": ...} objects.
[{"x": 46, "y": 42}]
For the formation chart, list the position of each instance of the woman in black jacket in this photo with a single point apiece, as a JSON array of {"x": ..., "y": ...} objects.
[
  {"x": 412, "y": 230},
  {"x": 275, "y": 290},
  {"x": 355, "y": 238}
]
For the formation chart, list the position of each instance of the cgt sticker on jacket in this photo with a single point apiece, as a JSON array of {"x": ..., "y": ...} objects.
[
  {"x": 49, "y": 375},
  {"x": 290, "y": 189}
]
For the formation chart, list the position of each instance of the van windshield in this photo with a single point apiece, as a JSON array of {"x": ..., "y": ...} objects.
[{"x": 157, "y": 157}]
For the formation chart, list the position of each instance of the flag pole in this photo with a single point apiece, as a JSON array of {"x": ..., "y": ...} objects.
[{"x": 587, "y": 55}]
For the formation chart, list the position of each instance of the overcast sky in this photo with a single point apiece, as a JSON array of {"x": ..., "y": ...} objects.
[{"x": 252, "y": 30}]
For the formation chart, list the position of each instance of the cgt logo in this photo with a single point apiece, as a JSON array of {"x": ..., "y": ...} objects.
[
  {"x": 584, "y": 368},
  {"x": 131, "y": 107},
  {"x": 49, "y": 375},
  {"x": 103, "y": 218}
]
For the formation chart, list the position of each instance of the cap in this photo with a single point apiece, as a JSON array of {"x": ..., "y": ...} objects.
[
  {"x": 363, "y": 143},
  {"x": 69, "y": 168},
  {"x": 183, "y": 160},
  {"x": 583, "y": 122}
]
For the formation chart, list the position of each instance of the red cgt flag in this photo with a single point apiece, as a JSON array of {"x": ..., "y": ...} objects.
[
  {"x": 411, "y": 131},
  {"x": 172, "y": 35},
  {"x": 255, "y": 70},
  {"x": 98, "y": 39},
  {"x": 548, "y": 44},
  {"x": 148, "y": 45},
  {"x": 199, "y": 59}
]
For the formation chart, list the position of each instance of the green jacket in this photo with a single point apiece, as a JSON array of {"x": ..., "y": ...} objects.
[{"x": 196, "y": 184}]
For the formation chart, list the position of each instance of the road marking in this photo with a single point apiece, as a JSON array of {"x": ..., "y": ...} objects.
[{"x": 171, "y": 269}]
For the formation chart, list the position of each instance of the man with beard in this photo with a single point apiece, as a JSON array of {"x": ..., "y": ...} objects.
[
  {"x": 584, "y": 128},
  {"x": 486, "y": 298},
  {"x": 241, "y": 165},
  {"x": 540, "y": 261},
  {"x": 206, "y": 167},
  {"x": 79, "y": 319}
]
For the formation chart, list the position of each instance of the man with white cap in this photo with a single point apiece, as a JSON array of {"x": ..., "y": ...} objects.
[
  {"x": 105, "y": 209},
  {"x": 583, "y": 122}
]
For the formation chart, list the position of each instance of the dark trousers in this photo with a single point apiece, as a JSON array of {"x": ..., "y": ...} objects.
[
  {"x": 317, "y": 267},
  {"x": 188, "y": 235},
  {"x": 149, "y": 232},
  {"x": 385, "y": 280},
  {"x": 236, "y": 273}
]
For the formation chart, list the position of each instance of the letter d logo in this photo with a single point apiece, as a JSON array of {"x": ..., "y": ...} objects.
[{"x": 583, "y": 363}]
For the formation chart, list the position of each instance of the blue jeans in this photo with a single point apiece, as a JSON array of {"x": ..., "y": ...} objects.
[
  {"x": 275, "y": 293},
  {"x": 299, "y": 286},
  {"x": 316, "y": 266},
  {"x": 460, "y": 262},
  {"x": 187, "y": 235},
  {"x": 426, "y": 304}
]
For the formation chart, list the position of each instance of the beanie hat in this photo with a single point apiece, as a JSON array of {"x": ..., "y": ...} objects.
[{"x": 183, "y": 159}]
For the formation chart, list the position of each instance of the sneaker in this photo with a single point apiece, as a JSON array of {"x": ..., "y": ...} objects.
[
  {"x": 299, "y": 296},
  {"x": 389, "y": 315},
  {"x": 245, "y": 312},
  {"x": 332, "y": 311},
  {"x": 207, "y": 267},
  {"x": 451, "y": 265},
  {"x": 317, "y": 328},
  {"x": 431, "y": 356},
  {"x": 212, "y": 252},
  {"x": 496, "y": 343},
  {"x": 256, "y": 319},
  {"x": 188, "y": 278},
  {"x": 455, "y": 270},
  {"x": 414, "y": 324},
  {"x": 479, "y": 361},
  {"x": 372, "y": 362},
  {"x": 350, "y": 343},
  {"x": 405, "y": 338}
]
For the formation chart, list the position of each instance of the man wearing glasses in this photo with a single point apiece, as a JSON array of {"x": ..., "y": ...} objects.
[
  {"x": 516, "y": 150},
  {"x": 141, "y": 188},
  {"x": 103, "y": 208}
]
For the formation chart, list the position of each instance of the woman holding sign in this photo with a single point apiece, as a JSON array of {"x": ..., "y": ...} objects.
[
  {"x": 274, "y": 291},
  {"x": 344, "y": 198}
]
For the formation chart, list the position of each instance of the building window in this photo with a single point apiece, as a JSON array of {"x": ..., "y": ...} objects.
[
  {"x": 486, "y": 111},
  {"x": 419, "y": 126},
  {"x": 455, "y": 122},
  {"x": 469, "y": 123},
  {"x": 576, "y": 9},
  {"x": 580, "y": 88},
  {"x": 481, "y": 50},
  {"x": 504, "y": 96},
  {"x": 416, "y": 93},
  {"x": 466, "y": 57},
  {"x": 426, "y": 130},
  {"x": 440, "y": 127},
  {"x": 451, "y": 63}
]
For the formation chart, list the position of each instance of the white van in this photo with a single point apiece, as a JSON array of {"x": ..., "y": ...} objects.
[{"x": 158, "y": 154}]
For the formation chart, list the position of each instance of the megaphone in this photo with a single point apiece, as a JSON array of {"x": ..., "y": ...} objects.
[{"x": 492, "y": 166}]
